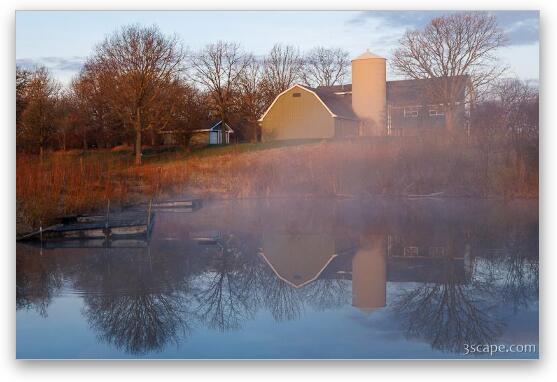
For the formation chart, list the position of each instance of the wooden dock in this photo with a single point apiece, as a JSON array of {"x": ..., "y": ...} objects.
[
  {"x": 135, "y": 221},
  {"x": 116, "y": 225}
]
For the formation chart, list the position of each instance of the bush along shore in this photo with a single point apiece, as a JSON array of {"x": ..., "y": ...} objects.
[{"x": 77, "y": 182}]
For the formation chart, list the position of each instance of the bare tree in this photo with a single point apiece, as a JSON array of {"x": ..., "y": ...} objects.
[
  {"x": 456, "y": 48},
  {"x": 67, "y": 118},
  {"x": 38, "y": 118},
  {"x": 252, "y": 101},
  {"x": 218, "y": 68},
  {"x": 169, "y": 112},
  {"x": 22, "y": 77},
  {"x": 325, "y": 67},
  {"x": 519, "y": 103},
  {"x": 136, "y": 64},
  {"x": 282, "y": 68},
  {"x": 90, "y": 102}
]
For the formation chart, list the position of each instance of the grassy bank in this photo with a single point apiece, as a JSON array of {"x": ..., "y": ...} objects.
[{"x": 77, "y": 182}]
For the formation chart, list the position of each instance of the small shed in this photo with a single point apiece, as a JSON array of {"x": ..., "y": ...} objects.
[{"x": 216, "y": 134}]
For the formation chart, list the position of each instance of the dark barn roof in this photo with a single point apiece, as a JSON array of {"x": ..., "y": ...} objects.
[
  {"x": 339, "y": 104},
  {"x": 423, "y": 91}
]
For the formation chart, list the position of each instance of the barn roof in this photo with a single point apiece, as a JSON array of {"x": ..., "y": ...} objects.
[
  {"x": 297, "y": 259},
  {"x": 339, "y": 101},
  {"x": 338, "y": 105}
]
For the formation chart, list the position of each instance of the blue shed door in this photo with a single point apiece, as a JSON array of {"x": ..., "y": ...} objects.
[{"x": 214, "y": 137}]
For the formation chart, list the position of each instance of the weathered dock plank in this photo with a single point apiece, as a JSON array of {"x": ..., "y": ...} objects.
[
  {"x": 177, "y": 205},
  {"x": 125, "y": 224}
]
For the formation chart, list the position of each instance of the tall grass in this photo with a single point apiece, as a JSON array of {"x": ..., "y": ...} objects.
[{"x": 74, "y": 182}]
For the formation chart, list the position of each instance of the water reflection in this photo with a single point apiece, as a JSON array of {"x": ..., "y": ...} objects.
[{"x": 443, "y": 275}]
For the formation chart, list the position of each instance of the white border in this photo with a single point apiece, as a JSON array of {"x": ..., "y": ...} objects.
[{"x": 81, "y": 371}]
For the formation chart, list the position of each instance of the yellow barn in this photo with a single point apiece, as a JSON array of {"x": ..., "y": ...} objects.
[{"x": 301, "y": 112}]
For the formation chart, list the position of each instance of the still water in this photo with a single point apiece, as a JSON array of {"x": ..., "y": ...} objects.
[{"x": 382, "y": 278}]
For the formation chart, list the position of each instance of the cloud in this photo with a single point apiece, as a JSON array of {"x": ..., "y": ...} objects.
[
  {"x": 521, "y": 27},
  {"x": 59, "y": 64}
]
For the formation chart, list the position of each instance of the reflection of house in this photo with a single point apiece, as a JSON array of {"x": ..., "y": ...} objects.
[
  {"x": 370, "y": 106},
  {"x": 427, "y": 258},
  {"x": 217, "y": 134}
]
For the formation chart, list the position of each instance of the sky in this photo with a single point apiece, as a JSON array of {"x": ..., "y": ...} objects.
[{"x": 62, "y": 40}]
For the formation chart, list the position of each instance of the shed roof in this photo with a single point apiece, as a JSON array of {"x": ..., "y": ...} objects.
[
  {"x": 215, "y": 126},
  {"x": 218, "y": 126}
]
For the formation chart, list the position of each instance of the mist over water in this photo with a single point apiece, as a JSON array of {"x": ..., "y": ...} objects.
[{"x": 291, "y": 278}]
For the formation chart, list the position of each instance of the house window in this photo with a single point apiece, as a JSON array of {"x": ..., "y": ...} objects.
[
  {"x": 410, "y": 112},
  {"x": 436, "y": 112},
  {"x": 296, "y": 94},
  {"x": 437, "y": 251}
]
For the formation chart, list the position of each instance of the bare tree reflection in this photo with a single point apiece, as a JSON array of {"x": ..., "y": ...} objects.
[
  {"x": 226, "y": 294},
  {"x": 326, "y": 294},
  {"x": 131, "y": 307},
  {"x": 515, "y": 269},
  {"x": 283, "y": 301},
  {"x": 448, "y": 314},
  {"x": 138, "y": 323},
  {"x": 38, "y": 281}
]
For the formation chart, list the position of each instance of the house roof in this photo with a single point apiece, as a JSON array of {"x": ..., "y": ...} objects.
[{"x": 405, "y": 92}]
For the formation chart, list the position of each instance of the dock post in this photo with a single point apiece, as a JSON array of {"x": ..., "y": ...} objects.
[
  {"x": 41, "y": 235},
  {"x": 106, "y": 225},
  {"x": 149, "y": 213},
  {"x": 149, "y": 218}
]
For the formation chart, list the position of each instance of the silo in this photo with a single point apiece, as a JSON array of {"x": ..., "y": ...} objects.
[
  {"x": 369, "y": 92},
  {"x": 369, "y": 273}
]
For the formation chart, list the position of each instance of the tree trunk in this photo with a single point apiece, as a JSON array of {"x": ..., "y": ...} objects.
[
  {"x": 84, "y": 140},
  {"x": 255, "y": 132},
  {"x": 449, "y": 121},
  {"x": 153, "y": 136},
  {"x": 137, "y": 137}
]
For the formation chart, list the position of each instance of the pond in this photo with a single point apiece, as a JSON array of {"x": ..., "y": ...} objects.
[{"x": 292, "y": 278}]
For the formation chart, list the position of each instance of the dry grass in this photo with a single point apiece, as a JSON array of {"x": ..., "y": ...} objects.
[{"x": 73, "y": 182}]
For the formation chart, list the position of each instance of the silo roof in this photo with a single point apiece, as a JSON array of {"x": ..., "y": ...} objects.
[{"x": 368, "y": 55}]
